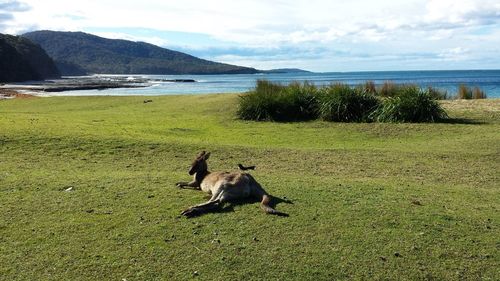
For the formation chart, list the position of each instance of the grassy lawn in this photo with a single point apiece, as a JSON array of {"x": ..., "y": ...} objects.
[{"x": 370, "y": 201}]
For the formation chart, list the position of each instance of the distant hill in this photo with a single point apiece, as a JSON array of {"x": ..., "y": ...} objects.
[
  {"x": 78, "y": 53},
  {"x": 22, "y": 60},
  {"x": 286, "y": 70}
]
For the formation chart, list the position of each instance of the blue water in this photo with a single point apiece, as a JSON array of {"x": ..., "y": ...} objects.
[{"x": 487, "y": 80}]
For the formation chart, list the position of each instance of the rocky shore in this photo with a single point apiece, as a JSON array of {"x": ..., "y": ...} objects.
[
  {"x": 9, "y": 94},
  {"x": 83, "y": 83}
]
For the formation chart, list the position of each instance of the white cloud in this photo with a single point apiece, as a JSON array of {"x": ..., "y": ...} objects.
[
  {"x": 13, "y": 6},
  {"x": 448, "y": 10},
  {"x": 383, "y": 29},
  {"x": 454, "y": 54},
  {"x": 248, "y": 21}
]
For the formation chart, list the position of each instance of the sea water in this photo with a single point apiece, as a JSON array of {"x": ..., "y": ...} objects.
[{"x": 487, "y": 80}]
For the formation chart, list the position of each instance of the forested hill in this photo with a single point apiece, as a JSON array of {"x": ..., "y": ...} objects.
[
  {"x": 78, "y": 53},
  {"x": 22, "y": 60}
]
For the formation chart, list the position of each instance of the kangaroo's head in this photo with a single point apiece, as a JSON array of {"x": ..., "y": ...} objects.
[{"x": 200, "y": 163}]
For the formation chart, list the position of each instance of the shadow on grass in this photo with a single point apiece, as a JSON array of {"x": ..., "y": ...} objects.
[
  {"x": 229, "y": 207},
  {"x": 274, "y": 202},
  {"x": 462, "y": 121}
]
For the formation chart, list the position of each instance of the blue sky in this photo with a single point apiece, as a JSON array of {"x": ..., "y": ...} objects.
[{"x": 317, "y": 35}]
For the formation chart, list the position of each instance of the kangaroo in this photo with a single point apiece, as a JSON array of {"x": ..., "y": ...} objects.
[{"x": 224, "y": 187}]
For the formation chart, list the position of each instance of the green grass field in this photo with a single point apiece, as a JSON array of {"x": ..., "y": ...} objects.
[{"x": 370, "y": 201}]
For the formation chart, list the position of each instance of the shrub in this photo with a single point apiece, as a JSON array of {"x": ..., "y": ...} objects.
[
  {"x": 342, "y": 103},
  {"x": 258, "y": 104},
  {"x": 274, "y": 102},
  {"x": 255, "y": 107},
  {"x": 411, "y": 105},
  {"x": 297, "y": 102},
  {"x": 339, "y": 102}
]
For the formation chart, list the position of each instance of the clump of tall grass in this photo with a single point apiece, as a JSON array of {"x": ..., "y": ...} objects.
[
  {"x": 467, "y": 93},
  {"x": 477, "y": 93},
  {"x": 437, "y": 94},
  {"x": 259, "y": 104},
  {"x": 266, "y": 87},
  {"x": 341, "y": 103},
  {"x": 388, "y": 89},
  {"x": 298, "y": 103},
  {"x": 464, "y": 92},
  {"x": 412, "y": 104},
  {"x": 274, "y": 102},
  {"x": 391, "y": 89},
  {"x": 370, "y": 87}
]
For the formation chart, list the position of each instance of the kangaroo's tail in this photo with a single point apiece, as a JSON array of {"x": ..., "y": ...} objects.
[{"x": 264, "y": 205}]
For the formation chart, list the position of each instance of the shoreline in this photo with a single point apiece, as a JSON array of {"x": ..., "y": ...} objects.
[
  {"x": 82, "y": 83},
  {"x": 77, "y": 83},
  {"x": 491, "y": 105},
  {"x": 6, "y": 93},
  {"x": 139, "y": 85}
]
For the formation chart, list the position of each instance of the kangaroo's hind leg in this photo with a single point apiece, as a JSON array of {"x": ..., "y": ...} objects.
[
  {"x": 266, "y": 200},
  {"x": 209, "y": 206}
]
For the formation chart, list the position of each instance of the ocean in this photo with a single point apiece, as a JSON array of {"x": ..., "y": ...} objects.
[{"x": 487, "y": 80}]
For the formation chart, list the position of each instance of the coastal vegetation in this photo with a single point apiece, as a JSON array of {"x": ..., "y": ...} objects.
[
  {"x": 340, "y": 103},
  {"x": 391, "y": 89},
  {"x": 467, "y": 93},
  {"x": 273, "y": 101},
  {"x": 87, "y": 192},
  {"x": 411, "y": 104},
  {"x": 78, "y": 53},
  {"x": 21, "y": 60}
]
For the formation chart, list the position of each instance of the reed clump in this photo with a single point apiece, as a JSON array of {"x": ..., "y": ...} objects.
[
  {"x": 477, "y": 93},
  {"x": 341, "y": 103},
  {"x": 370, "y": 87},
  {"x": 464, "y": 92},
  {"x": 437, "y": 94},
  {"x": 412, "y": 105},
  {"x": 388, "y": 89},
  {"x": 275, "y": 102},
  {"x": 467, "y": 93}
]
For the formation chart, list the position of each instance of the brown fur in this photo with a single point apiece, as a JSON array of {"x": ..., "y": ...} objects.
[{"x": 223, "y": 187}]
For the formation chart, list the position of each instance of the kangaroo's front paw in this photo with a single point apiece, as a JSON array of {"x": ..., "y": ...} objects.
[{"x": 180, "y": 184}]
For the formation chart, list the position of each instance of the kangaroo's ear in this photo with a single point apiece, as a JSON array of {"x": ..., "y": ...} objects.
[
  {"x": 206, "y": 155},
  {"x": 201, "y": 154}
]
